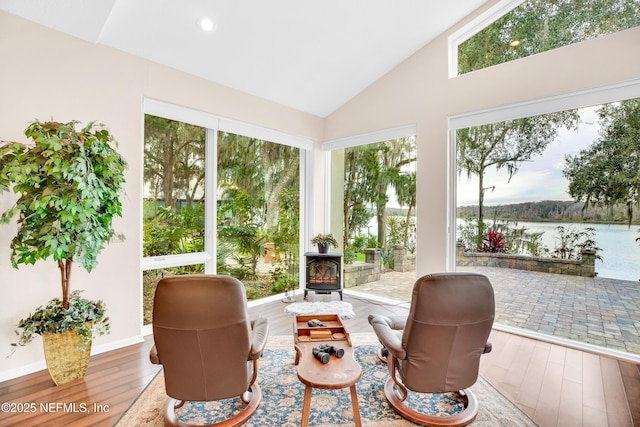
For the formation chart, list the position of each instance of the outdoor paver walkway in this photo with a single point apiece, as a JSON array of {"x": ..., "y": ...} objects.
[{"x": 599, "y": 311}]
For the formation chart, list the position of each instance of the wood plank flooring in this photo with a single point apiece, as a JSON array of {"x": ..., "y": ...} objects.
[{"x": 554, "y": 385}]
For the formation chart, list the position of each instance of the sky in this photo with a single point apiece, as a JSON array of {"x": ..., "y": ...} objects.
[{"x": 538, "y": 179}]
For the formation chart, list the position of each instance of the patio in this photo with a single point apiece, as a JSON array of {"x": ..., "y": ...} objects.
[{"x": 596, "y": 311}]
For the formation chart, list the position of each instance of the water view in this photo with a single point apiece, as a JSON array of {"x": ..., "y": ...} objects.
[{"x": 620, "y": 251}]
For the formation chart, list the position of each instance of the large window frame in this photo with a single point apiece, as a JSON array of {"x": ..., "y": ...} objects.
[
  {"x": 213, "y": 124},
  {"x": 478, "y": 24},
  {"x": 349, "y": 142},
  {"x": 474, "y": 27},
  {"x": 586, "y": 98}
]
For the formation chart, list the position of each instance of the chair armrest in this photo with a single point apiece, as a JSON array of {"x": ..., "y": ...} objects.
[
  {"x": 394, "y": 322},
  {"x": 259, "y": 335},
  {"x": 390, "y": 334},
  {"x": 487, "y": 348},
  {"x": 153, "y": 356},
  {"x": 397, "y": 322}
]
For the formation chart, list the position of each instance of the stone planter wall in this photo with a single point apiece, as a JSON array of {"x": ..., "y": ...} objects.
[
  {"x": 403, "y": 260},
  {"x": 585, "y": 267},
  {"x": 360, "y": 273}
]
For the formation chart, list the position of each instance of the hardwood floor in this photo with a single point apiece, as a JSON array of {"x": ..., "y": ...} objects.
[
  {"x": 559, "y": 386},
  {"x": 554, "y": 385}
]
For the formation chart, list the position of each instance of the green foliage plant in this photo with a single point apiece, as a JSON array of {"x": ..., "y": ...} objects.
[
  {"x": 171, "y": 232},
  {"x": 572, "y": 242},
  {"x": 69, "y": 183},
  {"x": 372, "y": 242},
  {"x": 282, "y": 277},
  {"x": 350, "y": 254},
  {"x": 537, "y": 26},
  {"x": 607, "y": 173},
  {"x": 249, "y": 243},
  {"x": 86, "y": 317},
  {"x": 324, "y": 239}
]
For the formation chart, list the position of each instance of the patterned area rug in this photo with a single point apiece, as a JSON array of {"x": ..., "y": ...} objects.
[
  {"x": 283, "y": 394},
  {"x": 341, "y": 308}
]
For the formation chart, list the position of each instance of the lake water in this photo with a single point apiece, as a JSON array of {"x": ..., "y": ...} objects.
[{"x": 620, "y": 252}]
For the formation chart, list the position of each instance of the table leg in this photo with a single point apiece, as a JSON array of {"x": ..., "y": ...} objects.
[
  {"x": 355, "y": 406},
  {"x": 306, "y": 406}
]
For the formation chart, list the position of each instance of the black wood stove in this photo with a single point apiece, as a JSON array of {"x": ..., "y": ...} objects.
[{"x": 323, "y": 273}]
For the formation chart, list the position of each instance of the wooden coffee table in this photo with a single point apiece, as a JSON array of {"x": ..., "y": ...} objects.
[{"x": 338, "y": 373}]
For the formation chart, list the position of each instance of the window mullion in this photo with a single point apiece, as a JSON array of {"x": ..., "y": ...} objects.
[{"x": 211, "y": 184}]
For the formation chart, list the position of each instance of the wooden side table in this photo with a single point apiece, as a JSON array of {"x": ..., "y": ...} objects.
[{"x": 338, "y": 373}]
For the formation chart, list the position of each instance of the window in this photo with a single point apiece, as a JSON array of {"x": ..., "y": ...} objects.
[
  {"x": 605, "y": 141},
  {"x": 373, "y": 194},
  {"x": 220, "y": 197},
  {"x": 174, "y": 192},
  {"x": 515, "y": 29},
  {"x": 258, "y": 210},
  {"x": 512, "y": 175}
]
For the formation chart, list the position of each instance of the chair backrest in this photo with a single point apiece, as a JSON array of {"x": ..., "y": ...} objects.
[
  {"x": 202, "y": 335},
  {"x": 449, "y": 322}
]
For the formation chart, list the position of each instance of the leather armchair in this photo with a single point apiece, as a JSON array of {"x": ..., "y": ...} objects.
[
  {"x": 437, "y": 347},
  {"x": 206, "y": 344}
]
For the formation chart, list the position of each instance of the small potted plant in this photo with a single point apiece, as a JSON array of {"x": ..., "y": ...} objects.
[
  {"x": 324, "y": 241},
  {"x": 69, "y": 183}
]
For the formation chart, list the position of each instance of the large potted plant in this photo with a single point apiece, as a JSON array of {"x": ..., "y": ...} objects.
[{"x": 69, "y": 183}]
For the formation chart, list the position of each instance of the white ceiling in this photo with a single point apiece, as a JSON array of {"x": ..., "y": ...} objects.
[{"x": 309, "y": 55}]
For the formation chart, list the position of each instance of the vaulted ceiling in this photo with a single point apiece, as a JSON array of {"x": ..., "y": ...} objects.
[{"x": 309, "y": 55}]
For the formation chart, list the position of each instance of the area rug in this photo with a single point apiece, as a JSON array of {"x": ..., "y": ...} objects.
[
  {"x": 341, "y": 308},
  {"x": 283, "y": 394}
]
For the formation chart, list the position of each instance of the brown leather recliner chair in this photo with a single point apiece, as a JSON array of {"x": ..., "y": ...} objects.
[
  {"x": 208, "y": 347},
  {"x": 437, "y": 347}
]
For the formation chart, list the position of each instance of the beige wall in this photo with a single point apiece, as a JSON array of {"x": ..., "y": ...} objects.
[
  {"x": 46, "y": 74},
  {"x": 419, "y": 91}
]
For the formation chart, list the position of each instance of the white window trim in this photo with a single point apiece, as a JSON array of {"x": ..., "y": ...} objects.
[
  {"x": 212, "y": 121},
  {"x": 210, "y": 208},
  {"x": 327, "y": 193},
  {"x": 213, "y": 124},
  {"x": 177, "y": 260},
  {"x": 474, "y": 27},
  {"x": 180, "y": 114},
  {"x": 584, "y": 98},
  {"x": 370, "y": 138},
  {"x": 579, "y": 99}
]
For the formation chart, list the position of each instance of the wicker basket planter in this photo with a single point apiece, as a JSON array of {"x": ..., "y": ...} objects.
[{"x": 65, "y": 360}]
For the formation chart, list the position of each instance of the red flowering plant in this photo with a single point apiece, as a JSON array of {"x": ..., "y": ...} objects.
[{"x": 493, "y": 243}]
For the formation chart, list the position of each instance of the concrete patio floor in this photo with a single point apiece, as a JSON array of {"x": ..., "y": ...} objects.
[{"x": 597, "y": 311}]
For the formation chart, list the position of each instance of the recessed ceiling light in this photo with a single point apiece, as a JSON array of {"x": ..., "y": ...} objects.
[{"x": 206, "y": 24}]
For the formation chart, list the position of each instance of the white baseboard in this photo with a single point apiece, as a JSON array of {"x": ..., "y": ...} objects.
[
  {"x": 23, "y": 370},
  {"x": 103, "y": 348}
]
